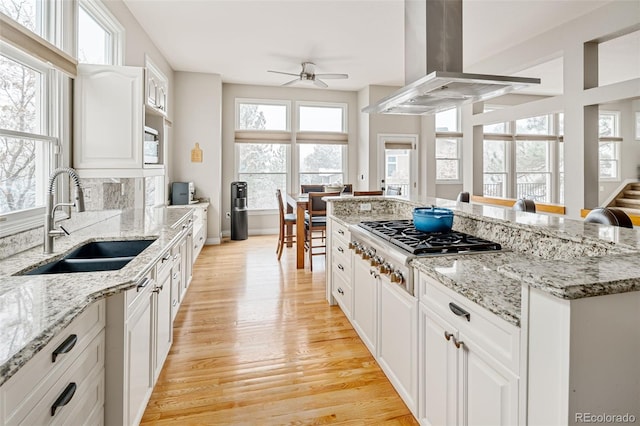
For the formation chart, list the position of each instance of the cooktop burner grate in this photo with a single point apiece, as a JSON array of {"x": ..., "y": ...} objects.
[{"x": 403, "y": 234}]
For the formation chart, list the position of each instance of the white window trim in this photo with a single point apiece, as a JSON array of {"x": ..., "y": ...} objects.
[
  {"x": 616, "y": 143},
  {"x": 458, "y": 137},
  {"x": 345, "y": 163},
  {"x": 105, "y": 18}
]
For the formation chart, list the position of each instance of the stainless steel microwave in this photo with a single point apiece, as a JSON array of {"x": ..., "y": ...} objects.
[{"x": 151, "y": 146}]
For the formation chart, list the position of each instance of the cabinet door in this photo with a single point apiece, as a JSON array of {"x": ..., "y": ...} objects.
[
  {"x": 487, "y": 389},
  {"x": 139, "y": 339},
  {"x": 163, "y": 323},
  {"x": 397, "y": 344},
  {"x": 438, "y": 371},
  {"x": 364, "y": 303},
  {"x": 109, "y": 117}
]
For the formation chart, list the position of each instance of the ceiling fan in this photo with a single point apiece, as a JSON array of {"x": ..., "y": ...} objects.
[{"x": 308, "y": 74}]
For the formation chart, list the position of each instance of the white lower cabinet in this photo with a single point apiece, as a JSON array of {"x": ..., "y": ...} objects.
[
  {"x": 463, "y": 380},
  {"x": 398, "y": 340},
  {"x": 139, "y": 336},
  {"x": 64, "y": 382},
  {"x": 365, "y": 300}
]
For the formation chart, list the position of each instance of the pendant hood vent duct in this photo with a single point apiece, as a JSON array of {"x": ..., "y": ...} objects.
[{"x": 433, "y": 64}]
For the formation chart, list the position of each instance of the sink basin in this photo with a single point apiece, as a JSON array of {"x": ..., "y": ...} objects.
[
  {"x": 108, "y": 249},
  {"x": 94, "y": 256},
  {"x": 66, "y": 266}
]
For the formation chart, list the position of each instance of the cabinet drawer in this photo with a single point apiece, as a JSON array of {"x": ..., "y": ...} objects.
[
  {"x": 340, "y": 231},
  {"x": 163, "y": 267},
  {"x": 198, "y": 242},
  {"x": 496, "y": 336},
  {"x": 342, "y": 292},
  {"x": 133, "y": 294},
  {"x": 342, "y": 258},
  {"x": 85, "y": 375},
  {"x": 37, "y": 377}
]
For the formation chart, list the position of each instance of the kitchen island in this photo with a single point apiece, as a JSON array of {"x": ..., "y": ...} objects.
[
  {"x": 563, "y": 295},
  {"x": 37, "y": 309}
]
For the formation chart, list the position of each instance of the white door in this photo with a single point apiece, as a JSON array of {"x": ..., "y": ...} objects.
[
  {"x": 438, "y": 371},
  {"x": 488, "y": 391},
  {"x": 140, "y": 383},
  {"x": 364, "y": 302},
  {"x": 397, "y": 167}
]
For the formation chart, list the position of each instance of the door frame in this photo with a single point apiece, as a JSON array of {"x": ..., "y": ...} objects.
[{"x": 411, "y": 138}]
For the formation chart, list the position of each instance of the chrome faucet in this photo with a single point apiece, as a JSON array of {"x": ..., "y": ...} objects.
[{"x": 50, "y": 209}]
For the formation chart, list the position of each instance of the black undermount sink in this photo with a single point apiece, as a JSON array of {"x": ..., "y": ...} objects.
[{"x": 94, "y": 256}]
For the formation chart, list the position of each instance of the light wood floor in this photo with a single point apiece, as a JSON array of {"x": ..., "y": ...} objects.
[{"x": 256, "y": 343}]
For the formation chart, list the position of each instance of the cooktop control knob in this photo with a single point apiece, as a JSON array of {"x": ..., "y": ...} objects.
[
  {"x": 358, "y": 248},
  {"x": 366, "y": 254},
  {"x": 352, "y": 245},
  {"x": 376, "y": 260},
  {"x": 386, "y": 268},
  {"x": 396, "y": 277}
]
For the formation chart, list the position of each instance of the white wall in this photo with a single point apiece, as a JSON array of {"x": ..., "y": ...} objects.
[
  {"x": 267, "y": 222},
  {"x": 198, "y": 116}
]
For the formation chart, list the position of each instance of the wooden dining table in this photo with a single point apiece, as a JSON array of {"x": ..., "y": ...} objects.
[{"x": 300, "y": 202}]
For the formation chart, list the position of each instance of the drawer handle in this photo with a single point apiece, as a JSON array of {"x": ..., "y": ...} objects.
[
  {"x": 143, "y": 284},
  {"x": 64, "y": 347},
  {"x": 340, "y": 267},
  {"x": 175, "y": 302},
  {"x": 166, "y": 257},
  {"x": 458, "y": 343},
  {"x": 340, "y": 249},
  {"x": 158, "y": 289},
  {"x": 64, "y": 398},
  {"x": 340, "y": 231},
  {"x": 340, "y": 291},
  {"x": 459, "y": 311},
  {"x": 448, "y": 335}
]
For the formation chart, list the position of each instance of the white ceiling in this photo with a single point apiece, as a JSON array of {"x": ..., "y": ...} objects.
[{"x": 242, "y": 39}]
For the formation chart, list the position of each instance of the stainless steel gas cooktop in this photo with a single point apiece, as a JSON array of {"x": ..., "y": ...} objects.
[{"x": 403, "y": 234}]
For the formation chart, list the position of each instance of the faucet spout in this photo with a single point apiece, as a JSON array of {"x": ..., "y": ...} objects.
[{"x": 50, "y": 208}]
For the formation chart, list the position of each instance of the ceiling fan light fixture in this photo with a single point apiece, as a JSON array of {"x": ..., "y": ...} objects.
[{"x": 308, "y": 74}]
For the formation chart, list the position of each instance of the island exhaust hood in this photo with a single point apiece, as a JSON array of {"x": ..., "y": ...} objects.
[{"x": 433, "y": 64}]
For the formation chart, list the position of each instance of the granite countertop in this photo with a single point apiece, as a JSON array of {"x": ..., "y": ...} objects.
[
  {"x": 34, "y": 308},
  {"x": 570, "y": 259}
]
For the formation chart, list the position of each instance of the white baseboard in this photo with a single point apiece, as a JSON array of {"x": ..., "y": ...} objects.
[{"x": 268, "y": 231}]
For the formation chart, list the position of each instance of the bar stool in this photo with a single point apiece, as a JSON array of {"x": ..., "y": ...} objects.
[
  {"x": 287, "y": 220},
  {"x": 362, "y": 193},
  {"x": 524, "y": 205},
  {"x": 463, "y": 197},
  {"x": 394, "y": 190},
  {"x": 305, "y": 189},
  {"x": 609, "y": 216},
  {"x": 315, "y": 219}
]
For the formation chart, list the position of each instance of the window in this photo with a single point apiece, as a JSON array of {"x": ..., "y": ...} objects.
[
  {"x": 27, "y": 151},
  {"x": 495, "y": 168},
  {"x": 28, "y": 13},
  {"x": 100, "y": 36},
  {"x": 321, "y": 139},
  {"x": 262, "y": 149},
  {"x": 499, "y": 128},
  {"x": 533, "y": 176},
  {"x": 448, "y": 147},
  {"x": 609, "y": 152},
  {"x": 540, "y": 125},
  {"x": 264, "y": 167}
]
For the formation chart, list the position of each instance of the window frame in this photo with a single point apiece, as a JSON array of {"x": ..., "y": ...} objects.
[
  {"x": 51, "y": 127},
  {"x": 318, "y": 104},
  {"x": 457, "y": 135},
  {"x": 278, "y": 102},
  {"x": 99, "y": 12}
]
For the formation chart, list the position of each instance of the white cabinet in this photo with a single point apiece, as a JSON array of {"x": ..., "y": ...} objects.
[
  {"x": 199, "y": 229},
  {"x": 139, "y": 336},
  {"x": 365, "y": 297},
  {"x": 109, "y": 121},
  {"x": 340, "y": 265},
  {"x": 398, "y": 340},
  {"x": 65, "y": 380},
  {"x": 468, "y": 361},
  {"x": 157, "y": 88}
]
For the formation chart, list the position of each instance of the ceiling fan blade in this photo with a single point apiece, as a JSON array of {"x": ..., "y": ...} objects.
[
  {"x": 285, "y": 73},
  {"x": 289, "y": 83},
  {"x": 320, "y": 83},
  {"x": 332, "y": 76}
]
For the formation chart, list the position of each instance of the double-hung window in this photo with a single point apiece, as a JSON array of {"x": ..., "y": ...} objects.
[
  {"x": 609, "y": 145},
  {"x": 448, "y": 147},
  {"x": 321, "y": 141},
  {"x": 263, "y": 139}
]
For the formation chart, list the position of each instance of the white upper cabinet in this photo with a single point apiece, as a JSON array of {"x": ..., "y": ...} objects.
[
  {"x": 156, "y": 89},
  {"x": 108, "y": 117}
]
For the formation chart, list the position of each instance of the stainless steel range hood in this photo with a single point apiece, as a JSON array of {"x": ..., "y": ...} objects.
[{"x": 433, "y": 64}]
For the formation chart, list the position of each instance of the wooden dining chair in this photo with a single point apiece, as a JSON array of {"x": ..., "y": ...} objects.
[
  {"x": 362, "y": 193},
  {"x": 525, "y": 205},
  {"x": 315, "y": 221},
  {"x": 348, "y": 188},
  {"x": 609, "y": 216},
  {"x": 463, "y": 197},
  {"x": 311, "y": 188},
  {"x": 394, "y": 190},
  {"x": 287, "y": 220}
]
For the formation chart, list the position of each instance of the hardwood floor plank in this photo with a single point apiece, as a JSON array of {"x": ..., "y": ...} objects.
[{"x": 256, "y": 343}]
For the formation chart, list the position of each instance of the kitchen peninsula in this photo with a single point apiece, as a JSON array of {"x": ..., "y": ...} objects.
[
  {"x": 540, "y": 332},
  {"x": 62, "y": 332}
]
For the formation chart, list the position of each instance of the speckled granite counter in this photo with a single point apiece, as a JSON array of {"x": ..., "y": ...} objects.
[
  {"x": 567, "y": 258},
  {"x": 35, "y": 308}
]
